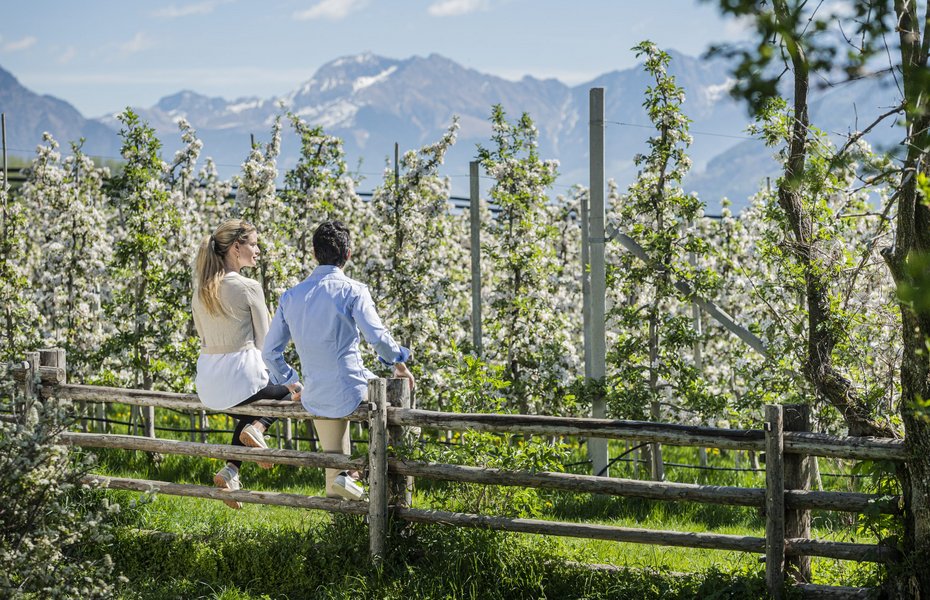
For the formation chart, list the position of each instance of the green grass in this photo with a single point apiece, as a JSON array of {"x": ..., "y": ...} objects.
[{"x": 175, "y": 547}]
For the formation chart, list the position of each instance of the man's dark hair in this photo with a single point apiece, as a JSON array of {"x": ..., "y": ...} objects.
[{"x": 331, "y": 243}]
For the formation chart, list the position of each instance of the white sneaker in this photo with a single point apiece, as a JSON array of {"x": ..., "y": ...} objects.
[
  {"x": 228, "y": 479},
  {"x": 348, "y": 487},
  {"x": 255, "y": 439}
]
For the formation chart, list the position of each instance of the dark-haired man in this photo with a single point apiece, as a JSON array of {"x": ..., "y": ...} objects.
[{"x": 324, "y": 314}]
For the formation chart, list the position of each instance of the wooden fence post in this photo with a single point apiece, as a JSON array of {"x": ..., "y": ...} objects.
[
  {"x": 31, "y": 367},
  {"x": 56, "y": 358},
  {"x": 797, "y": 417},
  {"x": 377, "y": 469},
  {"x": 401, "y": 487},
  {"x": 774, "y": 502}
]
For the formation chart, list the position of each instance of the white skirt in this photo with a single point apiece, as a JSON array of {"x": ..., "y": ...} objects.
[{"x": 225, "y": 380}]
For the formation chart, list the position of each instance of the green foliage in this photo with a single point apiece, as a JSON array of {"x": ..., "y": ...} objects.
[
  {"x": 49, "y": 520},
  {"x": 260, "y": 205},
  {"x": 151, "y": 289},
  {"x": 652, "y": 328},
  {"x": 73, "y": 247},
  {"x": 844, "y": 262},
  {"x": 317, "y": 189},
  {"x": 530, "y": 341},
  {"x": 477, "y": 387},
  {"x": 426, "y": 562},
  {"x": 416, "y": 263},
  {"x": 18, "y": 315}
]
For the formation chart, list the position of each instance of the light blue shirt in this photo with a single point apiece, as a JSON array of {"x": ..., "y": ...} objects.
[{"x": 323, "y": 314}]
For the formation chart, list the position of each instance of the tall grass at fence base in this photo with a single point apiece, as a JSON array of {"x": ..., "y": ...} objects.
[{"x": 329, "y": 559}]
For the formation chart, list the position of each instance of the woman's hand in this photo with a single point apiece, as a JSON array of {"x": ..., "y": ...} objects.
[
  {"x": 296, "y": 390},
  {"x": 401, "y": 370}
]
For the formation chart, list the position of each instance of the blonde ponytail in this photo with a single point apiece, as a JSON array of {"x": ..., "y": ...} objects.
[{"x": 209, "y": 266}]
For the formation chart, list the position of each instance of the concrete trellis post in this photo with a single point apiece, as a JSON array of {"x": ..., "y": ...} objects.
[
  {"x": 475, "y": 258},
  {"x": 597, "y": 448}
]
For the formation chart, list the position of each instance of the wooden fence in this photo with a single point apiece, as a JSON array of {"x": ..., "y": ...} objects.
[{"x": 786, "y": 499}]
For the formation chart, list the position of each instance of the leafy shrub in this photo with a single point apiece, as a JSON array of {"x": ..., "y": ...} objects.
[{"x": 48, "y": 517}]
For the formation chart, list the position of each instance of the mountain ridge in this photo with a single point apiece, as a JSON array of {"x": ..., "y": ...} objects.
[{"x": 371, "y": 102}]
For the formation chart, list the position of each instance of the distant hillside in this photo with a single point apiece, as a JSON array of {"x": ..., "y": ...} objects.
[
  {"x": 372, "y": 101},
  {"x": 29, "y": 115}
]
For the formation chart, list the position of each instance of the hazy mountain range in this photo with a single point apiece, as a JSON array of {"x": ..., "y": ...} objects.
[{"x": 371, "y": 102}]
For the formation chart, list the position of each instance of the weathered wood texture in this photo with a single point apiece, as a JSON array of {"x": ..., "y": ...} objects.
[
  {"x": 400, "y": 492},
  {"x": 828, "y": 592},
  {"x": 255, "y": 497},
  {"x": 858, "y": 448},
  {"x": 774, "y": 503},
  {"x": 378, "y": 485},
  {"x": 388, "y": 427},
  {"x": 272, "y": 455},
  {"x": 184, "y": 402},
  {"x": 733, "y": 496},
  {"x": 797, "y": 477},
  {"x": 841, "y": 550},
  {"x": 815, "y": 444},
  {"x": 644, "y": 431},
  {"x": 710, "y": 541}
]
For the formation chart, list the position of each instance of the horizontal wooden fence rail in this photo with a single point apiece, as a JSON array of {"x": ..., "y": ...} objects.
[
  {"x": 202, "y": 491},
  {"x": 707, "y": 541},
  {"x": 652, "y": 490},
  {"x": 294, "y": 458},
  {"x": 184, "y": 402},
  {"x": 391, "y": 420},
  {"x": 814, "y": 444}
]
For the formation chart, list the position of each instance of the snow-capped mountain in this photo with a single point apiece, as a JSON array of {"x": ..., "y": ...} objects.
[{"x": 371, "y": 102}]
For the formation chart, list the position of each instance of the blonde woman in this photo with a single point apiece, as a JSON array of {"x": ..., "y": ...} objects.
[{"x": 232, "y": 320}]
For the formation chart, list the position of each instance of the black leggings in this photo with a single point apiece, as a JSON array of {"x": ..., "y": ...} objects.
[{"x": 269, "y": 392}]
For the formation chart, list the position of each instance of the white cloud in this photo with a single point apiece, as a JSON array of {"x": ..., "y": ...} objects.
[
  {"x": 454, "y": 8},
  {"x": 67, "y": 55},
  {"x": 738, "y": 28},
  {"x": 333, "y": 10},
  {"x": 138, "y": 43},
  {"x": 187, "y": 10},
  {"x": 21, "y": 44}
]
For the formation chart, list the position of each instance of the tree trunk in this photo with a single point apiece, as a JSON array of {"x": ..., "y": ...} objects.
[
  {"x": 830, "y": 383},
  {"x": 912, "y": 241}
]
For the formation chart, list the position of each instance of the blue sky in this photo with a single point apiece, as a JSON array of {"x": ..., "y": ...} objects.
[{"x": 104, "y": 55}]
